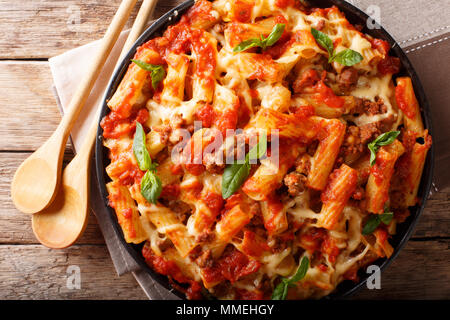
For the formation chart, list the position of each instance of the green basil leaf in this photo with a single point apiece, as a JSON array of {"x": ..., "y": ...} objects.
[
  {"x": 323, "y": 40},
  {"x": 373, "y": 153},
  {"x": 371, "y": 224},
  {"x": 247, "y": 44},
  {"x": 275, "y": 35},
  {"x": 259, "y": 150},
  {"x": 386, "y": 138},
  {"x": 280, "y": 291},
  {"x": 157, "y": 75},
  {"x": 262, "y": 42},
  {"x": 151, "y": 187},
  {"x": 301, "y": 271},
  {"x": 347, "y": 57},
  {"x": 233, "y": 177},
  {"x": 382, "y": 140},
  {"x": 386, "y": 217},
  {"x": 140, "y": 148},
  {"x": 157, "y": 72}
]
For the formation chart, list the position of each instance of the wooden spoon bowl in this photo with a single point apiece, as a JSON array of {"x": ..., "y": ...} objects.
[
  {"x": 36, "y": 180},
  {"x": 56, "y": 230},
  {"x": 64, "y": 221}
]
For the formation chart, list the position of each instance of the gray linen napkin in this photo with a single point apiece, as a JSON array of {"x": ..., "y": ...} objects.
[{"x": 420, "y": 28}]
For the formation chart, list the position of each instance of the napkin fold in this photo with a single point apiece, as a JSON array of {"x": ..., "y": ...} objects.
[{"x": 426, "y": 42}]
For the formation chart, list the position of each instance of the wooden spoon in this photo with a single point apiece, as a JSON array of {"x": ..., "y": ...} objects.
[
  {"x": 61, "y": 224},
  {"x": 36, "y": 181}
]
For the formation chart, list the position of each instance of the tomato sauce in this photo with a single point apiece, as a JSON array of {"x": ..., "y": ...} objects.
[
  {"x": 329, "y": 247},
  {"x": 308, "y": 79},
  {"x": 182, "y": 38},
  {"x": 380, "y": 45},
  {"x": 243, "y": 11},
  {"x": 265, "y": 68},
  {"x": 323, "y": 11},
  {"x": 330, "y": 194},
  {"x": 253, "y": 245},
  {"x": 227, "y": 119},
  {"x": 326, "y": 95},
  {"x": 285, "y": 42},
  {"x": 304, "y": 112},
  {"x": 284, "y": 3},
  {"x": 199, "y": 12},
  {"x": 171, "y": 191},
  {"x": 381, "y": 235},
  {"x": 214, "y": 202},
  {"x": 233, "y": 201},
  {"x": 312, "y": 239},
  {"x": 337, "y": 42},
  {"x": 127, "y": 213},
  {"x": 402, "y": 101},
  {"x": 389, "y": 65},
  {"x": 322, "y": 267},
  {"x": 352, "y": 274},
  {"x": 193, "y": 159},
  {"x": 169, "y": 268},
  {"x": 114, "y": 126},
  {"x": 195, "y": 169},
  {"x": 275, "y": 207},
  {"x": 176, "y": 169},
  {"x": 130, "y": 174},
  {"x": 194, "y": 189},
  {"x": 379, "y": 170},
  {"x": 205, "y": 114},
  {"x": 242, "y": 294},
  {"x": 232, "y": 266}
]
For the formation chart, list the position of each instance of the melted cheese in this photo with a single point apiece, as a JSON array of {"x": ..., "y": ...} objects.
[{"x": 370, "y": 88}]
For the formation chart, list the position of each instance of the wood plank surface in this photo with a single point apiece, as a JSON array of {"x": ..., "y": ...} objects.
[
  {"x": 45, "y": 28},
  {"x": 14, "y": 225},
  {"x": 36, "y": 272},
  {"x": 28, "y": 112},
  {"x": 420, "y": 272}
]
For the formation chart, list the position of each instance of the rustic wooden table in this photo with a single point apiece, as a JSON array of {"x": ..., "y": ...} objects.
[{"x": 31, "y": 32}]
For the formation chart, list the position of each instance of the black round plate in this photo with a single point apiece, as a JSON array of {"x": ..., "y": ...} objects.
[{"x": 355, "y": 16}]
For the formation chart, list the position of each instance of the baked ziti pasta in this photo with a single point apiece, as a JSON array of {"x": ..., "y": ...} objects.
[{"x": 261, "y": 149}]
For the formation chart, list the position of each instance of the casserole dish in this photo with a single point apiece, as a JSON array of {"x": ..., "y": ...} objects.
[{"x": 354, "y": 16}]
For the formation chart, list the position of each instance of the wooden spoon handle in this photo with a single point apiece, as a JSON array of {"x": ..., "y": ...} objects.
[
  {"x": 144, "y": 12},
  {"x": 141, "y": 20},
  {"x": 86, "y": 85}
]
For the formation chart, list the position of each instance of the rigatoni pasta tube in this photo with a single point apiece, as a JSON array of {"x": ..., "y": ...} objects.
[
  {"x": 130, "y": 91},
  {"x": 127, "y": 212},
  {"x": 173, "y": 85},
  {"x": 377, "y": 188},
  {"x": 410, "y": 167},
  {"x": 232, "y": 222},
  {"x": 274, "y": 216},
  {"x": 167, "y": 222},
  {"x": 340, "y": 187},
  {"x": 332, "y": 133},
  {"x": 304, "y": 129},
  {"x": 269, "y": 175},
  {"x": 407, "y": 102}
]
